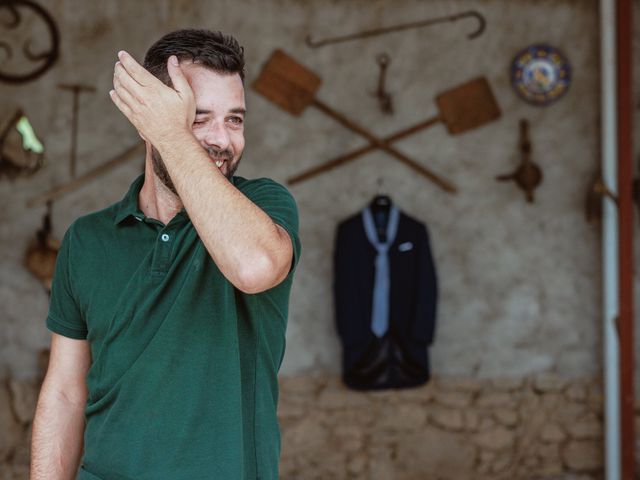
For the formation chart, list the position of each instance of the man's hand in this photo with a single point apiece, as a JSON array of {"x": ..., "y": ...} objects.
[{"x": 158, "y": 112}]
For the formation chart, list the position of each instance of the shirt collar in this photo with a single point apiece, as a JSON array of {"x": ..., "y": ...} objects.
[{"x": 128, "y": 206}]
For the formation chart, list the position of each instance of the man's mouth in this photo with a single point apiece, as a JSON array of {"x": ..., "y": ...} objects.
[{"x": 219, "y": 163}]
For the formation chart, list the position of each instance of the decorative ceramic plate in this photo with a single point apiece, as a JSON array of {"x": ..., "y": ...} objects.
[{"x": 540, "y": 74}]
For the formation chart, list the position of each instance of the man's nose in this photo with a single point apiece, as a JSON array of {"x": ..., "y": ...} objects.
[{"x": 217, "y": 136}]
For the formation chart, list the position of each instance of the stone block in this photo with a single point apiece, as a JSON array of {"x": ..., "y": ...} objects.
[
  {"x": 506, "y": 416},
  {"x": 335, "y": 398},
  {"x": 306, "y": 437},
  {"x": 552, "y": 433},
  {"x": 548, "y": 451},
  {"x": 569, "y": 413},
  {"x": 421, "y": 394},
  {"x": 289, "y": 410},
  {"x": 457, "y": 384},
  {"x": 453, "y": 399},
  {"x": 364, "y": 417},
  {"x": 381, "y": 464},
  {"x": 548, "y": 382},
  {"x": 583, "y": 455},
  {"x": 471, "y": 420},
  {"x": 447, "y": 418},
  {"x": 495, "y": 399},
  {"x": 501, "y": 463},
  {"x": 552, "y": 401},
  {"x": 403, "y": 417},
  {"x": 357, "y": 466},
  {"x": 433, "y": 453},
  {"x": 497, "y": 438},
  {"x": 586, "y": 430},
  {"x": 304, "y": 385},
  {"x": 486, "y": 423},
  {"x": 507, "y": 384},
  {"x": 576, "y": 393},
  {"x": 348, "y": 438}
]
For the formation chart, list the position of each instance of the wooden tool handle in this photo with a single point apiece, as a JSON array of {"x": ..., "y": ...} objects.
[
  {"x": 347, "y": 157},
  {"x": 441, "y": 182},
  {"x": 90, "y": 175}
]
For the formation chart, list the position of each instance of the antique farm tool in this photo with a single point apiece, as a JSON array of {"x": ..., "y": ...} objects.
[
  {"x": 21, "y": 153},
  {"x": 593, "y": 204},
  {"x": 528, "y": 175},
  {"x": 462, "y": 108},
  {"x": 384, "y": 97},
  {"x": 12, "y": 68},
  {"x": 58, "y": 192},
  {"x": 404, "y": 26},
  {"x": 76, "y": 89},
  {"x": 292, "y": 87},
  {"x": 41, "y": 255}
]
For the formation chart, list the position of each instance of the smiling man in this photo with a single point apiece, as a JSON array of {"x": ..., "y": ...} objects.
[{"x": 169, "y": 308}]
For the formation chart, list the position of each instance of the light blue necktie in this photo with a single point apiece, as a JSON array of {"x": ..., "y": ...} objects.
[{"x": 382, "y": 282}]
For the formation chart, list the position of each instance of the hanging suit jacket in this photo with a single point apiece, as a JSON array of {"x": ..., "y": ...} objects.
[{"x": 399, "y": 358}]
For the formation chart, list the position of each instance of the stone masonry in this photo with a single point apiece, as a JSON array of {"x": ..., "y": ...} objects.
[{"x": 541, "y": 427}]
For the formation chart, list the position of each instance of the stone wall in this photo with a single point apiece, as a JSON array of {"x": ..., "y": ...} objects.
[
  {"x": 537, "y": 428},
  {"x": 519, "y": 283}
]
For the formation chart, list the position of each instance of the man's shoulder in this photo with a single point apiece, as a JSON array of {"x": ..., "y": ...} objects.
[
  {"x": 242, "y": 183},
  {"x": 95, "y": 222},
  {"x": 262, "y": 187}
]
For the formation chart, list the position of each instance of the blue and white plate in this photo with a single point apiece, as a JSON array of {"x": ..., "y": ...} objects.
[{"x": 540, "y": 74}]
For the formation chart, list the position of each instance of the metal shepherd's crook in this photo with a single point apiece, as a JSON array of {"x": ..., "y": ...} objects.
[{"x": 403, "y": 26}]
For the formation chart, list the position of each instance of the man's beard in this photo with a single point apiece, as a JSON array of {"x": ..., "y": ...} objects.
[{"x": 160, "y": 169}]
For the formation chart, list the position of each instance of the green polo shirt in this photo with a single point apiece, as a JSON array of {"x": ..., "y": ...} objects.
[{"x": 183, "y": 379}]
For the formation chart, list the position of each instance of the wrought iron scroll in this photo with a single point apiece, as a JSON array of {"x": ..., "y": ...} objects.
[{"x": 44, "y": 60}]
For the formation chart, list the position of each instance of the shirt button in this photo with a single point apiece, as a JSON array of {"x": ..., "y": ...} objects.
[{"x": 164, "y": 237}]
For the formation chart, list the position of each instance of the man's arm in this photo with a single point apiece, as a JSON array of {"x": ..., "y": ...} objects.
[
  {"x": 58, "y": 426},
  {"x": 247, "y": 246},
  {"x": 250, "y": 250}
]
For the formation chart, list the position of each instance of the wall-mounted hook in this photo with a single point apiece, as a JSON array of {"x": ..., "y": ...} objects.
[
  {"x": 597, "y": 190},
  {"x": 528, "y": 175},
  {"x": 384, "y": 97}
]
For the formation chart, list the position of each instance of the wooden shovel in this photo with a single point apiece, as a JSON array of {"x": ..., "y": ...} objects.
[
  {"x": 462, "y": 108},
  {"x": 293, "y": 87}
]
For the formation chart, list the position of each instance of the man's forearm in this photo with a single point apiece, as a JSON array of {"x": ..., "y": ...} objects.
[
  {"x": 57, "y": 438},
  {"x": 240, "y": 237}
]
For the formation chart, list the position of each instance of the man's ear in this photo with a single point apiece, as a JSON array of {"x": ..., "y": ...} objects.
[{"x": 142, "y": 137}]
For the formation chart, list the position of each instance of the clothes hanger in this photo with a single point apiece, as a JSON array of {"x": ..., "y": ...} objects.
[{"x": 381, "y": 202}]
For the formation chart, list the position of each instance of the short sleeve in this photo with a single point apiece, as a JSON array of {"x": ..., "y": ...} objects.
[
  {"x": 277, "y": 202},
  {"x": 64, "y": 315}
]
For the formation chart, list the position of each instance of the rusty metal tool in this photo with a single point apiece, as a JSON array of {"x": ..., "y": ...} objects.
[
  {"x": 76, "y": 89},
  {"x": 15, "y": 159},
  {"x": 292, "y": 87},
  {"x": 384, "y": 98},
  {"x": 404, "y": 26},
  {"x": 42, "y": 60},
  {"x": 528, "y": 175},
  {"x": 462, "y": 108},
  {"x": 40, "y": 257},
  {"x": 596, "y": 192}
]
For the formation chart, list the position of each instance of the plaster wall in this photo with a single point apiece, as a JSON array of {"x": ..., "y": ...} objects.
[{"x": 520, "y": 283}]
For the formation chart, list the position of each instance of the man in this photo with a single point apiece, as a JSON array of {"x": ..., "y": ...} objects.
[{"x": 169, "y": 308}]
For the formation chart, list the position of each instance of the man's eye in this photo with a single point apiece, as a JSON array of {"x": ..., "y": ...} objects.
[
  {"x": 236, "y": 120},
  {"x": 199, "y": 122}
]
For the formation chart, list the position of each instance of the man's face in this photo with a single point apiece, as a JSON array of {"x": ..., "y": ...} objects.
[{"x": 219, "y": 121}]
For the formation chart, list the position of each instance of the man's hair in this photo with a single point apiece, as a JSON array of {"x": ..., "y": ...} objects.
[{"x": 213, "y": 50}]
